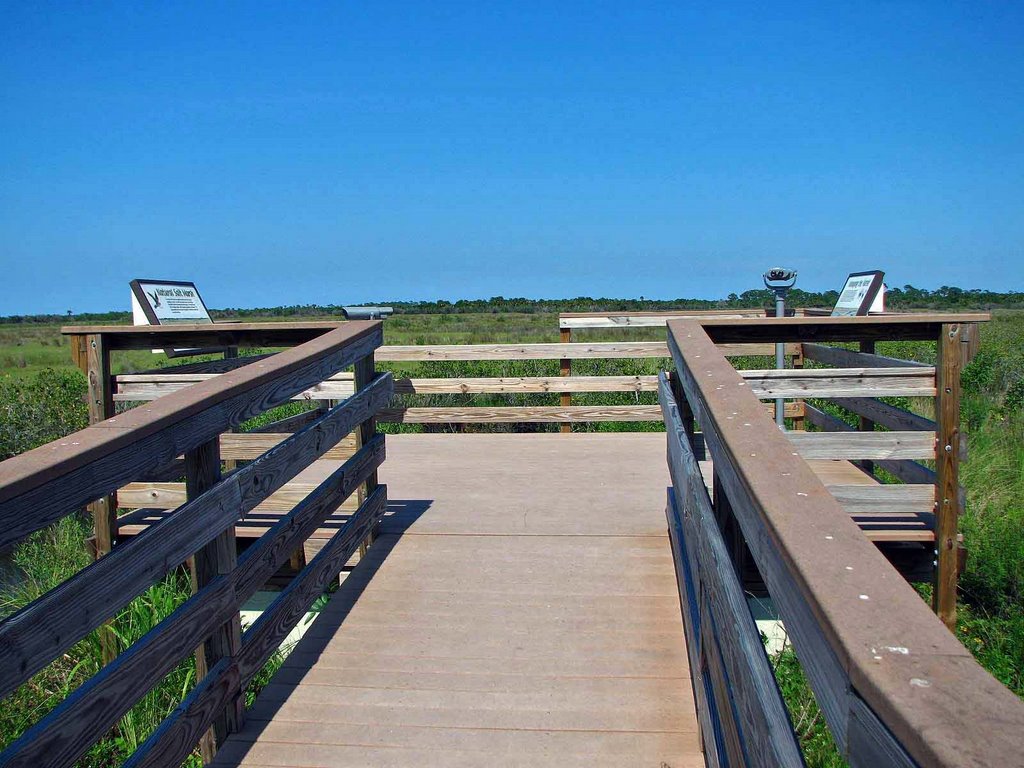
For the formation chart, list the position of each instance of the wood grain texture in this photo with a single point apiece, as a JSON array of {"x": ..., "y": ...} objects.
[
  {"x": 855, "y": 623},
  {"x": 290, "y": 424},
  {"x": 169, "y": 496},
  {"x": 565, "y": 369},
  {"x": 511, "y": 414},
  {"x": 861, "y": 382},
  {"x": 33, "y": 636},
  {"x": 140, "y": 388},
  {"x": 882, "y": 499},
  {"x": 569, "y": 320},
  {"x": 885, "y": 513},
  {"x": 220, "y": 335},
  {"x": 549, "y": 351},
  {"x": 888, "y": 416},
  {"x": 906, "y": 470},
  {"x": 42, "y": 485},
  {"x": 947, "y": 474},
  {"x": 172, "y": 742},
  {"x": 100, "y": 406},
  {"x": 838, "y": 357},
  {"x": 64, "y": 734},
  {"x": 175, "y": 738},
  {"x": 214, "y": 559},
  {"x": 95, "y": 359},
  {"x": 535, "y": 384},
  {"x": 864, "y": 445},
  {"x": 854, "y": 382},
  {"x": 250, "y": 445}
]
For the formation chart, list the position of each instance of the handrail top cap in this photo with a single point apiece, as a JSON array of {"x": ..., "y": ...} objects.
[
  {"x": 291, "y": 325},
  {"x": 896, "y": 318}
]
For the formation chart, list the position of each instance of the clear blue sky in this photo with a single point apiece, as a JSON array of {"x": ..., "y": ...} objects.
[{"x": 287, "y": 153}]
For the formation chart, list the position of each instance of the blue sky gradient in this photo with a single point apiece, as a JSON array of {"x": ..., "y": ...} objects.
[{"x": 283, "y": 153}]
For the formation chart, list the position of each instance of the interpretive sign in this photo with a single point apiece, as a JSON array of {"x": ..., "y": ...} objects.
[
  {"x": 859, "y": 293},
  {"x": 165, "y": 302}
]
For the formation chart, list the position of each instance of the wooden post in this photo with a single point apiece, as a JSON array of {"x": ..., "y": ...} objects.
[
  {"x": 364, "y": 371},
  {"x": 231, "y": 353},
  {"x": 217, "y": 558},
  {"x": 79, "y": 346},
  {"x": 798, "y": 362},
  {"x": 865, "y": 424},
  {"x": 947, "y": 470},
  {"x": 565, "y": 335},
  {"x": 95, "y": 359}
]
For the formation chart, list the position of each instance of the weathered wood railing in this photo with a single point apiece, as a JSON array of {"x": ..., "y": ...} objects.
[
  {"x": 896, "y": 688},
  {"x": 148, "y": 386},
  {"x": 48, "y": 483},
  {"x": 586, "y": 321}
]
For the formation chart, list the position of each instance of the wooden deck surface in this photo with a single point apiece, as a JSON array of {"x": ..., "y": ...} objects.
[{"x": 519, "y": 609}]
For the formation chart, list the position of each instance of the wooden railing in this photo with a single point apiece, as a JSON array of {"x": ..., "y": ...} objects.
[
  {"x": 895, "y": 686},
  {"x": 568, "y": 322},
  {"x": 149, "y": 386},
  {"x": 48, "y": 483}
]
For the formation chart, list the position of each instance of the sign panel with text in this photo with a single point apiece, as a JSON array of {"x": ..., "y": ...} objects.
[
  {"x": 858, "y": 294},
  {"x": 166, "y": 302}
]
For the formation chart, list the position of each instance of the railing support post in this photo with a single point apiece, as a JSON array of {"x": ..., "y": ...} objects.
[
  {"x": 866, "y": 424},
  {"x": 104, "y": 510},
  {"x": 565, "y": 336},
  {"x": 219, "y": 557},
  {"x": 364, "y": 371},
  {"x": 798, "y": 362},
  {"x": 947, "y": 470}
]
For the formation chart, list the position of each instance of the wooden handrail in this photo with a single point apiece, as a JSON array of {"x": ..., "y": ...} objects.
[
  {"x": 286, "y": 334},
  {"x": 102, "y": 456},
  {"x": 581, "y": 320},
  {"x": 44, "y": 484},
  {"x": 895, "y": 686}
]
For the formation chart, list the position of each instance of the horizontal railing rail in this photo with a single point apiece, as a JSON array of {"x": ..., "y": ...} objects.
[
  {"x": 896, "y": 687},
  {"x": 41, "y": 486},
  {"x": 141, "y": 387},
  {"x": 640, "y": 319}
]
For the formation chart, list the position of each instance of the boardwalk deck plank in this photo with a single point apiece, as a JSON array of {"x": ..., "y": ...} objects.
[{"x": 519, "y": 609}]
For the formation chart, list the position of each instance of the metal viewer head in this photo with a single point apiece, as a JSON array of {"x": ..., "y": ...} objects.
[
  {"x": 367, "y": 313},
  {"x": 779, "y": 280}
]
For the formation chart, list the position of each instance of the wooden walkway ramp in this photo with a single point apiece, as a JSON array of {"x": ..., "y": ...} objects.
[{"x": 519, "y": 609}]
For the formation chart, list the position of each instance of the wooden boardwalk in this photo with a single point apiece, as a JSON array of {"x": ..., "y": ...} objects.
[{"x": 519, "y": 609}]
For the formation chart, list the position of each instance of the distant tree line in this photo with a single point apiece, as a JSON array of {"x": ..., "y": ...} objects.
[{"x": 901, "y": 299}]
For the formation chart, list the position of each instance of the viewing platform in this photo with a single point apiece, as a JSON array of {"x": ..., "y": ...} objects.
[{"x": 521, "y": 598}]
